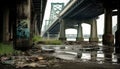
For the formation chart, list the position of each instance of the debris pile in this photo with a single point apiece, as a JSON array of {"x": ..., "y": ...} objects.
[{"x": 29, "y": 61}]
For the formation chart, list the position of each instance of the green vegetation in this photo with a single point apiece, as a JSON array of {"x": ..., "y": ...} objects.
[
  {"x": 53, "y": 42},
  {"x": 6, "y": 49},
  {"x": 46, "y": 41},
  {"x": 36, "y": 38}
]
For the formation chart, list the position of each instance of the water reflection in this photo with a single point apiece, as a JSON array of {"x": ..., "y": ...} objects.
[
  {"x": 86, "y": 56},
  {"x": 100, "y": 54}
]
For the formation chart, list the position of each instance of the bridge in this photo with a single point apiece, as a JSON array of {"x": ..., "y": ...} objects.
[
  {"x": 22, "y": 19},
  {"x": 77, "y": 12}
]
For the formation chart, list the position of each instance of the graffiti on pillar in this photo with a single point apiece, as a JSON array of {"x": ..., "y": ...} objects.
[{"x": 23, "y": 30}]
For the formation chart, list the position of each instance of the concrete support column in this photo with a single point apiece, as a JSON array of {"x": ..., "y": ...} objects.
[
  {"x": 6, "y": 25},
  {"x": 23, "y": 25},
  {"x": 108, "y": 38},
  {"x": 117, "y": 34},
  {"x": 33, "y": 24},
  {"x": 11, "y": 34},
  {"x": 36, "y": 28},
  {"x": 62, "y": 30},
  {"x": 79, "y": 33},
  {"x": 93, "y": 33}
]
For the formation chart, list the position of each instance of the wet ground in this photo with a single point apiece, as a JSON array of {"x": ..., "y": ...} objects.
[
  {"x": 71, "y": 65},
  {"x": 87, "y": 56},
  {"x": 97, "y": 54}
]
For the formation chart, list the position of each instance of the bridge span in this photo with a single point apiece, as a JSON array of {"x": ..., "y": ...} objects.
[
  {"x": 21, "y": 19},
  {"x": 77, "y": 12}
]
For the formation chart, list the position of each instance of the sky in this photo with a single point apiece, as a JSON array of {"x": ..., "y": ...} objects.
[
  {"x": 86, "y": 27},
  {"x": 48, "y": 8}
]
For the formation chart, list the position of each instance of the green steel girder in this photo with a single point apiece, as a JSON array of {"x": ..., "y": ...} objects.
[{"x": 55, "y": 10}]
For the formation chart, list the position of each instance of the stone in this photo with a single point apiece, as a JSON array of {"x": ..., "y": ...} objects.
[{"x": 40, "y": 58}]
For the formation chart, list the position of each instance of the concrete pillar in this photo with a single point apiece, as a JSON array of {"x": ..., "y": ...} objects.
[
  {"x": 6, "y": 25},
  {"x": 79, "y": 33},
  {"x": 11, "y": 33},
  {"x": 108, "y": 38},
  {"x": 62, "y": 30},
  {"x": 36, "y": 28},
  {"x": 117, "y": 34},
  {"x": 93, "y": 33},
  {"x": 1, "y": 26},
  {"x": 33, "y": 24},
  {"x": 23, "y": 24}
]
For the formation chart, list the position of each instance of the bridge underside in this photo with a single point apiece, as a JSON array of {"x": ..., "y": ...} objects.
[
  {"x": 39, "y": 9},
  {"x": 83, "y": 10}
]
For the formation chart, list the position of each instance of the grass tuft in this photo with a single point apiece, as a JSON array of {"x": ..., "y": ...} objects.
[
  {"x": 6, "y": 49},
  {"x": 46, "y": 41},
  {"x": 53, "y": 42},
  {"x": 36, "y": 39}
]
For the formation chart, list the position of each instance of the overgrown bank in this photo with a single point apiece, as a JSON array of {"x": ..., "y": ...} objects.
[
  {"x": 40, "y": 40},
  {"x": 7, "y": 49}
]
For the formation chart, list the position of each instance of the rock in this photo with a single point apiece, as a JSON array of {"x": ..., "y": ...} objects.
[
  {"x": 40, "y": 58},
  {"x": 34, "y": 64},
  {"x": 11, "y": 62},
  {"x": 4, "y": 58},
  {"x": 79, "y": 54},
  {"x": 31, "y": 65}
]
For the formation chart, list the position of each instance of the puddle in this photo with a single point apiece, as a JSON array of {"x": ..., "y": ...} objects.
[{"x": 93, "y": 54}]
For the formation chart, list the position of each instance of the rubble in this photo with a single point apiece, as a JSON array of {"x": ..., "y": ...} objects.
[{"x": 32, "y": 58}]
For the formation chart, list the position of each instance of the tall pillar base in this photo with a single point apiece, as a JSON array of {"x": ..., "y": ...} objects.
[
  {"x": 93, "y": 39},
  {"x": 6, "y": 37},
  {"x": 117, "y": 41},
  {"x": 79, "y": 39},
  {"x": 62, "y": 39},
  {"x": 23, "y": 45},
  {"x": 108, "y": 39}
]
